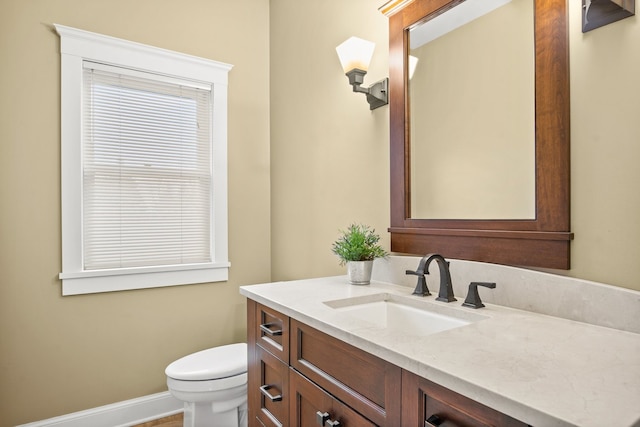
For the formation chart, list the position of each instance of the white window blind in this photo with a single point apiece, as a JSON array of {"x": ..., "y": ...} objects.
[{"x": 146, "y": 170}]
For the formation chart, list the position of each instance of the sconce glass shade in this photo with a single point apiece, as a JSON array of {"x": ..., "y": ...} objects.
[{"x": 355, "y": 53}]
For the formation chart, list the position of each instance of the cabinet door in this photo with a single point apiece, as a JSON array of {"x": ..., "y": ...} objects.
[
  {"x": 427, "y": 404},
  {"x": 310, "y": 406}
]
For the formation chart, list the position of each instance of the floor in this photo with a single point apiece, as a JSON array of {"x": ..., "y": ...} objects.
[{"x": 172, "y": 421}]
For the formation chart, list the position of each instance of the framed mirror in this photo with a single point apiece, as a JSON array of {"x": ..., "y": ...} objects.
[{"x": 537, "y": 233}]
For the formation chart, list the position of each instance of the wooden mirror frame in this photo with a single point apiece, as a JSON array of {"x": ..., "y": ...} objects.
[{"x": 541, "y": 242}]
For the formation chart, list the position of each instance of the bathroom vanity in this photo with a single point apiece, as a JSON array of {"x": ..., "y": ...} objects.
[
  {"x": 308, "y": 384},
  {"x": 323, "y": 352}
]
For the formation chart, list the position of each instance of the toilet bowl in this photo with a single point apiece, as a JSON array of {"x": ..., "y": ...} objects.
[{"x": 212, "y": 384}]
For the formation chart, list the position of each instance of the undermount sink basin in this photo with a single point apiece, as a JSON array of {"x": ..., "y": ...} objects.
[{"x": 406, "y": 315}]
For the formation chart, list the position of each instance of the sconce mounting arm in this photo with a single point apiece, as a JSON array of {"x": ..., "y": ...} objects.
[{"x": 377, "y": 93}]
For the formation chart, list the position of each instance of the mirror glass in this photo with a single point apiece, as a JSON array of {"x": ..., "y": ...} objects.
[{"x": 472, "y": 113}]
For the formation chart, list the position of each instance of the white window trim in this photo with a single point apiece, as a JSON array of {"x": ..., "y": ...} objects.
[{"x": 77, "y": 46}]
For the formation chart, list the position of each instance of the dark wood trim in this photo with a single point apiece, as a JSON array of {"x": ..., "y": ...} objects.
[
  {"x": 497, "y": 234},
  {"x": 547, "y": 253},
  {"x": 541, "y": 242}
]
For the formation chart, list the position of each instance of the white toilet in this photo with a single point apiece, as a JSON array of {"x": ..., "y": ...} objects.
[{"x": 213, "y": 386}]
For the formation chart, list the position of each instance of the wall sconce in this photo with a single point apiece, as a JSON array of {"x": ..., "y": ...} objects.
[
  {"x": 355, "y": 55},
  {"x": 597, "y": 13}
]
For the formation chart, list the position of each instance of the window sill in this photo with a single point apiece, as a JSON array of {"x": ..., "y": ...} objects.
[{"x": 90, "y": 282}]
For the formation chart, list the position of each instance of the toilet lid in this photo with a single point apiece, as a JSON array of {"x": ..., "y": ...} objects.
[{"x": 214, "y": 363}]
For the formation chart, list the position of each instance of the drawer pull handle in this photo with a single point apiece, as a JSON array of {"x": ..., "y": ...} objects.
[
  {"x": 433, "y": 421},
  {"x": 266, "y": 328},
  {"x": 323, "y": 420},
  {"x": 321, "y": 417},
  {"x": 265, "y": 390}
]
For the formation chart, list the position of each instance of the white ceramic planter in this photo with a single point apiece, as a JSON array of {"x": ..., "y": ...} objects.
[{"x": 359, "y": 272}]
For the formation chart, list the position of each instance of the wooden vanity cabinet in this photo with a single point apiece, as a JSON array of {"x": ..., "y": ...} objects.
[
  {"x": 425, "y": 403},
  {"x": 299, "y": 376}
]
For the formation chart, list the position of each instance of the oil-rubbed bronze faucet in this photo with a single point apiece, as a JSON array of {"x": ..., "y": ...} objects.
[
  {"x": 421, "y": 287},
  {"x": 446, "y": 288}
]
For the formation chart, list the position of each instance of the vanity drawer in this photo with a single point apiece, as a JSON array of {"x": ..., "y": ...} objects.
[
  {"x": 426, "y": 403},
  {"x": 271, "y": 390},
  {"x": 272, "y": 331},
  {"x": 363, "y": 381},
  {"x": 312, "y": 406}
]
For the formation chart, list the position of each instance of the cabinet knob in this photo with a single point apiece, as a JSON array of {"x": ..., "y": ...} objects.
[{"x": 265, "y": 390}]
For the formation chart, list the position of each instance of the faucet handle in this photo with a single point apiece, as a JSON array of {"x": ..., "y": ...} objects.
[
  {"x": 473, "y": 297},
  {"x": 421, "y": 287}
]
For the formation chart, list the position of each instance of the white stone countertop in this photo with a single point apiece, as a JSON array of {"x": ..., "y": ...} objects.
[{"x": 540, "y": 369}]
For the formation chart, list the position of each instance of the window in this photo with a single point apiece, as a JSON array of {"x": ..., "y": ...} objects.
[{"x": 144, "y": 197}]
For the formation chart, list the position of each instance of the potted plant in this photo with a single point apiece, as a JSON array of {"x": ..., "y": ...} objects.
[{"x": 357, "y": 247}]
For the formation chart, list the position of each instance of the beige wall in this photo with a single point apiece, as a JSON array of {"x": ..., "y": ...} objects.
[
  {"x": 605, "y": 150},
  {"x": 59, "y": 355},
  {"x": 329, "y": 152},
  {"x": 329, "y": 166}
]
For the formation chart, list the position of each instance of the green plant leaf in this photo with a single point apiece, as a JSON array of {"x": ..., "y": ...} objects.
[{"x": 358, "y": 243}]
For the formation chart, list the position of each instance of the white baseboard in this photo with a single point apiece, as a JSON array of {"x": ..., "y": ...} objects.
[{"x": 121, "y": 414}]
